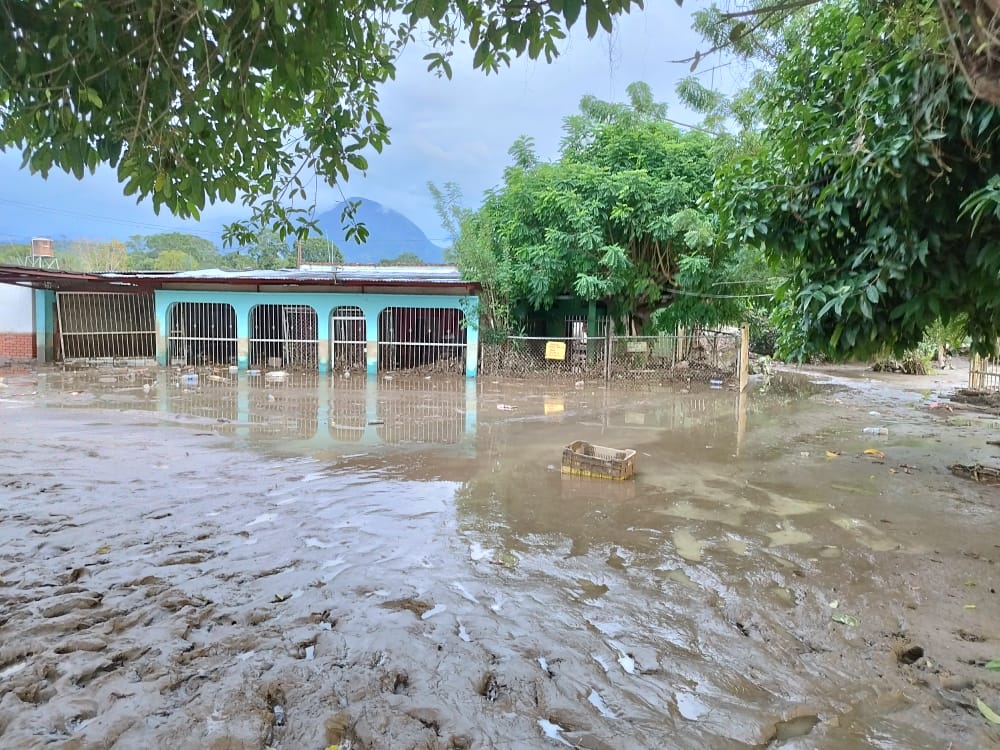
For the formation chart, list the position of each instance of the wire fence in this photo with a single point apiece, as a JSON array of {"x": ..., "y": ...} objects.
[{"x": 704, "y": 356}]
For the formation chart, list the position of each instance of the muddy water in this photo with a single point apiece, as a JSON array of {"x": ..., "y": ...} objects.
[{"x": 400, "y": 564}]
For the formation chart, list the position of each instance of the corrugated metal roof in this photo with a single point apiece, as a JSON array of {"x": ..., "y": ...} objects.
[{"x": 354, "y": 275}]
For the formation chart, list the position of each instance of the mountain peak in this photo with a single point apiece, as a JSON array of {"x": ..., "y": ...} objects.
[{"x": 390, "y": 234}]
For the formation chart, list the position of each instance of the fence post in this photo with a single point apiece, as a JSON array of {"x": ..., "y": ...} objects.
[
  {"x": 608, "y": 349},
  {"x": 744, "y": 357}
]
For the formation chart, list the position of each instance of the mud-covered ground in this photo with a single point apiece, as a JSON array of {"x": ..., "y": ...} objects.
[{"x": 401, "y": 565}]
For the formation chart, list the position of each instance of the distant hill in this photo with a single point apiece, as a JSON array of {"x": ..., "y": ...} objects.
[{"x": 389, "y": 234}]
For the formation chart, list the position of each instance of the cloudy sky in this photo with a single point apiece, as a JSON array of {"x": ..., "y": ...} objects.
[{"x": 443, "y": 130}]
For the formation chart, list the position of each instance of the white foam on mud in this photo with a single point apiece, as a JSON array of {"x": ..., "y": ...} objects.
[
  {"x": 311, "y": 541},
  {"x": 314, "y": 477},
  {"x": 553, "y": 731},
  {"x": 435, "y": 610},
  {"x": 466, "y": 594},
  {"x": 12, "y": 669},
  {"x": 543, "y": 664},
  {"x": 599, "y": 658},
  {"x": 477, "y": 552},
  {"x": 627, "y": 662},
  {"x": 598, "y": 702},
  {"x": 262, "y": 518},
  {"x": 463, "y": 633}
]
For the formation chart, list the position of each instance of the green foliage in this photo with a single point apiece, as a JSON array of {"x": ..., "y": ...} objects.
[
  {"x": 609, "y": 221},
  {"x": 194, "y": 102},
  {"x": 174, "y": 260},
  {"x": 403, "y": 259},
  {"x": 271, "y": 252},
  {"x": 320, "y": 250},
  {"x": 871, "y": 140}
]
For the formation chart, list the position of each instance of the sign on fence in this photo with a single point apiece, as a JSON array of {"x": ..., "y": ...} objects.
[
  {"x": 637, "y": 347},
  {"x": 555, "y": 350}
]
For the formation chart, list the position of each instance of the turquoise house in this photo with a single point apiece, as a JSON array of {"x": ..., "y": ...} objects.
[{"x": 321, "y": 318}]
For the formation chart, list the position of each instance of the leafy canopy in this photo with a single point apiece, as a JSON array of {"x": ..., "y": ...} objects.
[
  {"x": 197, "y": 101},
  {"x": 871, "y": 142},
  {"x": 614, "y": 219}
]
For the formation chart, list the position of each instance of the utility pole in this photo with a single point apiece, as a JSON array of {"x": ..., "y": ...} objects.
[{"x": 298, "y": 247}]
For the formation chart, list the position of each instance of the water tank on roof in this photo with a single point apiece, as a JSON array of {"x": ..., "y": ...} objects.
[{"x": 42, "y": 248}]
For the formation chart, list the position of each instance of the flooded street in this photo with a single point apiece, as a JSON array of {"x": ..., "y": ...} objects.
[{"x": 400, "y": 564}]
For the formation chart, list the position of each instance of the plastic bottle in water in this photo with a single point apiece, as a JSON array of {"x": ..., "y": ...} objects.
[{"x": 876, "y": 430}]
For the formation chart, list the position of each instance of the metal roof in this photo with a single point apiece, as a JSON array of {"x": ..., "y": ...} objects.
[{"x": 311, "y": 275}]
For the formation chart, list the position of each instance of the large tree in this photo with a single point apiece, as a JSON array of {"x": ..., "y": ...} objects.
[
  {"x": 871, "y": 143},
  {"x": 194, "y": 101},
  {"x": 614, "y": 219}
]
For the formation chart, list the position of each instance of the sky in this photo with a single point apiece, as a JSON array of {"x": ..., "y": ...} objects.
[{"x": 456, "y": 130}]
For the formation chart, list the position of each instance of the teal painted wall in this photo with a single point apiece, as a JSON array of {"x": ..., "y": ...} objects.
[
  {"x": 323, "y": 303},
  {"x": 45, "y": 324}
]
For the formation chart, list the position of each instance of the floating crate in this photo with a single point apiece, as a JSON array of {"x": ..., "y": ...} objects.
[{"x": 588, "y": 460}]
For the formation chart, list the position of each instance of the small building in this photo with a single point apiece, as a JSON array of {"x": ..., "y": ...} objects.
[
  {"x": 340, "y": 318},
  {"x": 17, "y": 323}
]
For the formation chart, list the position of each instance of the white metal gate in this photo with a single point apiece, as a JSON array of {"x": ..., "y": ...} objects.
[
  {"x": 110, "y": 326},
  {"x": 284, "y": 336},
  {"x": 201, "y": 333},
  {"x": 348, "y": 339},
  {"x": 431, "y": 338}
]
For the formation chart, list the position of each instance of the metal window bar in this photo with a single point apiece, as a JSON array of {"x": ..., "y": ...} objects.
[
  {"x": 422, "y": 339},
  {"x": 284, "y": 336},
  {"x": 201, "y": 333},
  {"x": 116, "y": 327},
  {"x": 348, "y": 340}
]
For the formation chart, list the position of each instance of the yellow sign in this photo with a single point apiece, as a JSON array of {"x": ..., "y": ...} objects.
[
  {"x": 555, "y": 350},
  {"x": 554, "y": 406}
]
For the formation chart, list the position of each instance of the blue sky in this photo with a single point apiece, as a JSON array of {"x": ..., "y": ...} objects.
[{"x": 454, "y": 130}]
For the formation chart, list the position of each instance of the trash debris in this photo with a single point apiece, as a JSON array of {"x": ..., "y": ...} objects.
[
  {"x": 874, "y": 414},
  {"x": 833, "y": 454},
  {"x": 989, "y": 713},
  {"x": 189, "y": 379},
  {"x": 977, "y": 473},
  {"x": 849, "y": 620},
  {"x": 505, "y": 407},
  {"x": 834, "y": 604},
  {"x": 587, "y": 460},
  {"x": 277, "y": 376},
  {"x": 968, "y": 606},
  {"x": 376, "y": 422},
  {"x": 875, "y": 453},
  {"x": 279, "y": 716},
  {"x": 715, "y": 384},
  {"x": 993, "y": 665},
  {"x": 104, "y": 549},
  {"x": 876, "y": 430}
]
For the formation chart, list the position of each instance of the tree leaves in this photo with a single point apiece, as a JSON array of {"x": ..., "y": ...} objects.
[
  {"x": 234, "y": 99},
  {"x": 866, "y": 153}
]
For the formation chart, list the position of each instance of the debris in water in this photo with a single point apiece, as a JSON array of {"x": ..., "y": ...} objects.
[
  {"x": 310, "y": 653},
  {"x": 505, "y": 407},
  {"x": 875, "y": 453},
  {"x": 850, "y": 620},
  {"x": 463, "y": 633},
  {"x": 279, "y": 716},
  {"x": 876, "y": 430},
  {"x": 989, "y": 713},
  {"x": 993, "y": 665}
]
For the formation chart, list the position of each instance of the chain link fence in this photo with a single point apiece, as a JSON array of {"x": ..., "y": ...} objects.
[{"x": 703, "y": 356}]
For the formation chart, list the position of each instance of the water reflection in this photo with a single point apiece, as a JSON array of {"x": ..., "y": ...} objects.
[{"x": 309, "y": 411}]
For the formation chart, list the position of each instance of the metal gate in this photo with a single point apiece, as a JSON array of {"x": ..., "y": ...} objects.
[
  {"x": 432, "y": 338},
  {"x": 109, "y": 326},
  {"x": 284, "y": 336},
  {"x": 348, "y": 342},
  {"x": 201, "y": 333}
]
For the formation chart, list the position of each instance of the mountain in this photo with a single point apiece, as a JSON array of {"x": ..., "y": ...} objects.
[{"x": 390, "y": 234}]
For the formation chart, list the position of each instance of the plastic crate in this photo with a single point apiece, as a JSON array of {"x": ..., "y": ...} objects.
[{"x": 588, "y": 460}]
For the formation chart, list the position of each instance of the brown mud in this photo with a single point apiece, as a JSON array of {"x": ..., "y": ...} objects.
[{"x": 400, "y": 564}]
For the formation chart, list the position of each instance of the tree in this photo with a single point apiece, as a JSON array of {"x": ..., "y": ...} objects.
[
  {"x": 89, "y": 255},
  {"x": 871, "y": 141},
  {"x": 174, "y": 260},
  {"x": 320, "y": 250},
  {"x": 270, "y": 252},
  {"x": 194, "y": 102},
  {"x": 973, "y": 27},
  {"x": 145, "y": 252},
  {"x": 403, "y": 259},
  {"x": 611, "y": 220}
]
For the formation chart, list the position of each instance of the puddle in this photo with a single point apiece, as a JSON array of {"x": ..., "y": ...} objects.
[{"x": 687, "y": 545}]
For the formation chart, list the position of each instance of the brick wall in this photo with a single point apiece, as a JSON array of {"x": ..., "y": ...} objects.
[{"x": 17, "y": 345}]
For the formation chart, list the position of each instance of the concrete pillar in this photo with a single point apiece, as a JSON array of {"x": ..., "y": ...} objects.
[
  {"x": 472, "y": 337},
  {"x": 45, "y": 324},
  {"x": 323, "y": 335},
  {"x": 242, "y": 333},
  {"x": 371, "y": 335},
  {"x": 161, "y": 308},
  {"x": 744, "y": 357}
]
